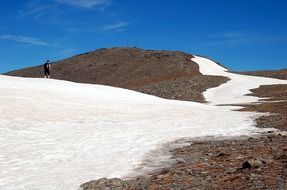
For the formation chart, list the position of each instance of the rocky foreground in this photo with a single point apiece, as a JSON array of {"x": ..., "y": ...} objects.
[{"x": 244, "y": 163}]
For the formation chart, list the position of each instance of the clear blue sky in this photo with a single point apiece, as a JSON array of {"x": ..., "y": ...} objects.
[{"x": 241, "y": 34}]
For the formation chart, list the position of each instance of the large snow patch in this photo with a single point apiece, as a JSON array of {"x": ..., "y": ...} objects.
[{"x": 58, "y": 135}]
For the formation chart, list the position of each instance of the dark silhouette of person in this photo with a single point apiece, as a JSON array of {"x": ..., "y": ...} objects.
[{"x": 47, "y": 69}]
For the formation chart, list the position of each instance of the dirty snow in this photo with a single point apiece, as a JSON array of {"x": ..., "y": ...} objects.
[{"x": 57, "y": 134}]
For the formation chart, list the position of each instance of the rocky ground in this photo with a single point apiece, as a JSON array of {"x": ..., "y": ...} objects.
[
  {"x": 276, "y": 104},
  {"x": 247, "y": 163},
  {"x": 187, "y": 89},
  {"x": 280, "y": 74}
]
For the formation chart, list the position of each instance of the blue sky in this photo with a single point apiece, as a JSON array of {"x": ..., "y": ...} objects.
[{"x": 241, "y": 34}]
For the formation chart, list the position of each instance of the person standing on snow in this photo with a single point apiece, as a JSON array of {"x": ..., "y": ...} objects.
[{"x": 47, "y": 69}]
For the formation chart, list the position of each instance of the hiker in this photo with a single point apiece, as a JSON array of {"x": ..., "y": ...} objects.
[{"x": 47, "y": 69}]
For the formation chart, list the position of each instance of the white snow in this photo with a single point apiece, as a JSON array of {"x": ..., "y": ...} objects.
[
  {"x": 57, "y": 134},
  {"x": 234, "y": 90}
]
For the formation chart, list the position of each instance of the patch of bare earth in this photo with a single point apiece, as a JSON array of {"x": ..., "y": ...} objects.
[
  {"x": 187, "y": 88},
  {"x": 275, "y": 104}
]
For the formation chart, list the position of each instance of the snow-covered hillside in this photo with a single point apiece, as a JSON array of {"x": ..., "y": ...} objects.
[
  {"x": 234, "y": 90},
  {"x": 57, "y": 134}
]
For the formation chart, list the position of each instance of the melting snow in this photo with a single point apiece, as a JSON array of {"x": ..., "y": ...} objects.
[
  {"x": 234, "y": 90},
  {"x": 57, "y": 134}
]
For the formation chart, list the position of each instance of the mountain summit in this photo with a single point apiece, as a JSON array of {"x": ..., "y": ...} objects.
[{"x": 167, "y": 74}]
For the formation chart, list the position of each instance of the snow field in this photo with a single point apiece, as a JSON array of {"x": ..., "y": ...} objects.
[{"x": 57, "y": 134}]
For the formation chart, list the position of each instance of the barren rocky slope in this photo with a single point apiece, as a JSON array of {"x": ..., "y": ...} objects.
[
  {"x": 168, "y": 74},
  {"x": 280, "y": 74}
]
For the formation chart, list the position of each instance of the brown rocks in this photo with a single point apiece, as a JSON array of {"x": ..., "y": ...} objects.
[
  {"x": 280, "y": 74},
  {"x": 277, "y": 105},
  {"x": 221, "y": 166},
  {"x": 105, "y": 184},
  {"x": 253, "y": 163}
]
